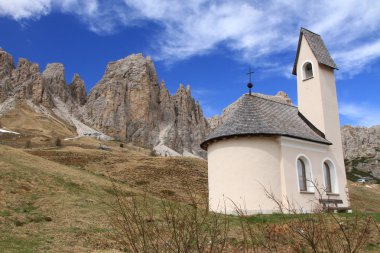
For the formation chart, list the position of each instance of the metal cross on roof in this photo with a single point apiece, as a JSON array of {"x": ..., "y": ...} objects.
[
  {"x": 250, "y": 72},
  {"x": 250, "y": 85}
]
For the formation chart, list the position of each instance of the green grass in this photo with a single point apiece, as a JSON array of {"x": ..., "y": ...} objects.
[
  {"x": 376, "y": 216},
  {"x": 111, "y": 191},
  {"x": 266, "y": 218},
  {"x": 4, "y": 213},
  {"x": 11, "y": 243},
  {"x": 279, "y": 218},
  {"x": 371, "y": 247},
  {"x": 69, "y": 185}
]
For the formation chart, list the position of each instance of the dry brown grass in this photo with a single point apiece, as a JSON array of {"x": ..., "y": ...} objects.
[
  {"x": 41, "y": 130},
  {"x": 365, "y": 198},
  {"x": 69, "y": 185},
  {"x": 34, "y": 190},
  {"x": 134, "y": 167}
]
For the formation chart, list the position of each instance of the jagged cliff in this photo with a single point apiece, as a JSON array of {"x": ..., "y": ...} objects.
[
  {"x": 127, "y": 103},
  {"x": 361, "y": 147}
]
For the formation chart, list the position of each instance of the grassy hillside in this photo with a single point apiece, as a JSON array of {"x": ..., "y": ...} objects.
[
  {"x": 38, "y": 128},
  {"x": 55, "y": 199}
]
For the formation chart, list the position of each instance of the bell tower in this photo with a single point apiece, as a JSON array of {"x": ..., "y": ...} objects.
[{"x": 317, "y": 97}]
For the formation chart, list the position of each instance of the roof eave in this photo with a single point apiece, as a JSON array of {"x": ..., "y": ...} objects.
[
  {"x": 297, "y": 54},
  {"x": 204, "y": 145}
]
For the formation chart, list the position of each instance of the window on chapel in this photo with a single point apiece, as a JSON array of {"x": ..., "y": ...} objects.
[
  {"x": 307, "y": 70},
  {"x": 302, "y": 175},
  {"x": 329, "y": 177}
]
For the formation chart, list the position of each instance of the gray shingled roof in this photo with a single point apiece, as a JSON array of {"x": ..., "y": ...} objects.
[
  {"x": 318, "y": 47},
  {"x": 255, "y": 115}
]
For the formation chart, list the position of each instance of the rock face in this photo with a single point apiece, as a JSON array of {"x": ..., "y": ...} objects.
[
  {"x": 6, "y": 68},
  {"x": 54, "y": 80},
  {"x": 361, "y": 146},
  {"x": 124, "y": 104},
  {"x": 78, "y": 90},
  {"x": 127, "y": 103}
]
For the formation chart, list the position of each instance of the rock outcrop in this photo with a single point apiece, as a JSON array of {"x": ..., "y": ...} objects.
[
  {"x": 6, "y": 68},
  {"x": 78, "y": 90},
  {"x": 127, "y": 103},
  {"x": 361, "y": 146},
  {"x": 124, "y": 103},
  {"x": 54, "y": 80}
]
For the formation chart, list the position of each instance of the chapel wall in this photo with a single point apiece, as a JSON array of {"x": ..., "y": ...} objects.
[
  {"x": 315, "y": 153},
  {"x": 238, "y": 171}
]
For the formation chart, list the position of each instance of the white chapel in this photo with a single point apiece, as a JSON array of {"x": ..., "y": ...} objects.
[{"x": 294, "y": 152}]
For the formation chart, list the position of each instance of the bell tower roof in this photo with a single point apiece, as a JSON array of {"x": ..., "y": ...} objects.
[{"x": 317, "y": 46}]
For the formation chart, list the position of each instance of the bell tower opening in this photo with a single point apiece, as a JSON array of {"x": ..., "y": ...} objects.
[{"x": 307, "y": 70}]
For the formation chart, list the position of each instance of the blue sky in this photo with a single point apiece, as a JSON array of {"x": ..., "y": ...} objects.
[{"x": 206, "y": 44}]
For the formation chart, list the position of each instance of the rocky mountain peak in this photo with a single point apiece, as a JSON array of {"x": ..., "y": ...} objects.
[
  {"x": 127, "y": 103},
  {"x": 6, "y": 68},
  {"x": 6, "y": 64},
  {"x": 27, "y": 82},
  {"x": 131, "y": 68},
  {"x": 284, "y": 96},
  {"x": 78, "y": 90},
  {"x": 181, "y": 87},
  {"x": 54, "y": 79},
  {"x": 25, "y": 70}
]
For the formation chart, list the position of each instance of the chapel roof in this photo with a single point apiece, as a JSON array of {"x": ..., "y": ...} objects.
[
  {"x": 318, "y": 47},
  {"x": 256, "y": 115}
]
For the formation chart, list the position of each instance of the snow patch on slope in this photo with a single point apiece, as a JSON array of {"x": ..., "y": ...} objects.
[{"x": 7, "y": 131}]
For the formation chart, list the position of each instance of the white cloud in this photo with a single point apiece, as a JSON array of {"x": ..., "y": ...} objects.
[
  {"x": 253, "y": 31},
  {"x": 21, "y": 9},
  {"x": 360, "y": 114}
]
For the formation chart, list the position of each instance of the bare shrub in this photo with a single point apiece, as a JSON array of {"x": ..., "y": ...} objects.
[
  {"x": 141, "y": 225},
  {"x": 153, "y": 152},
  {"x": 320, "y": 231},
  {"x": 121, "y": 145},
  {"x": 58, "y": 142},
  {"x": 28, "y": 144}
]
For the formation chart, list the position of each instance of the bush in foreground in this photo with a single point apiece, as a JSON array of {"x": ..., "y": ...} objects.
[{"x": 146, "y": 225}]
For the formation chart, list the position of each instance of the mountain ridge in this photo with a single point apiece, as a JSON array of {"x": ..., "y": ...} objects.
[{"x": 127, "y": 104}]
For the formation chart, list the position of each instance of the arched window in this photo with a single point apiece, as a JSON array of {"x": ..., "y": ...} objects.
[
  {"x": 301, "y": 175},
  {"x": 304, "y": 175},
  {"x": 329, "y": 176},
  {"x": 307, "y": 70}
]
